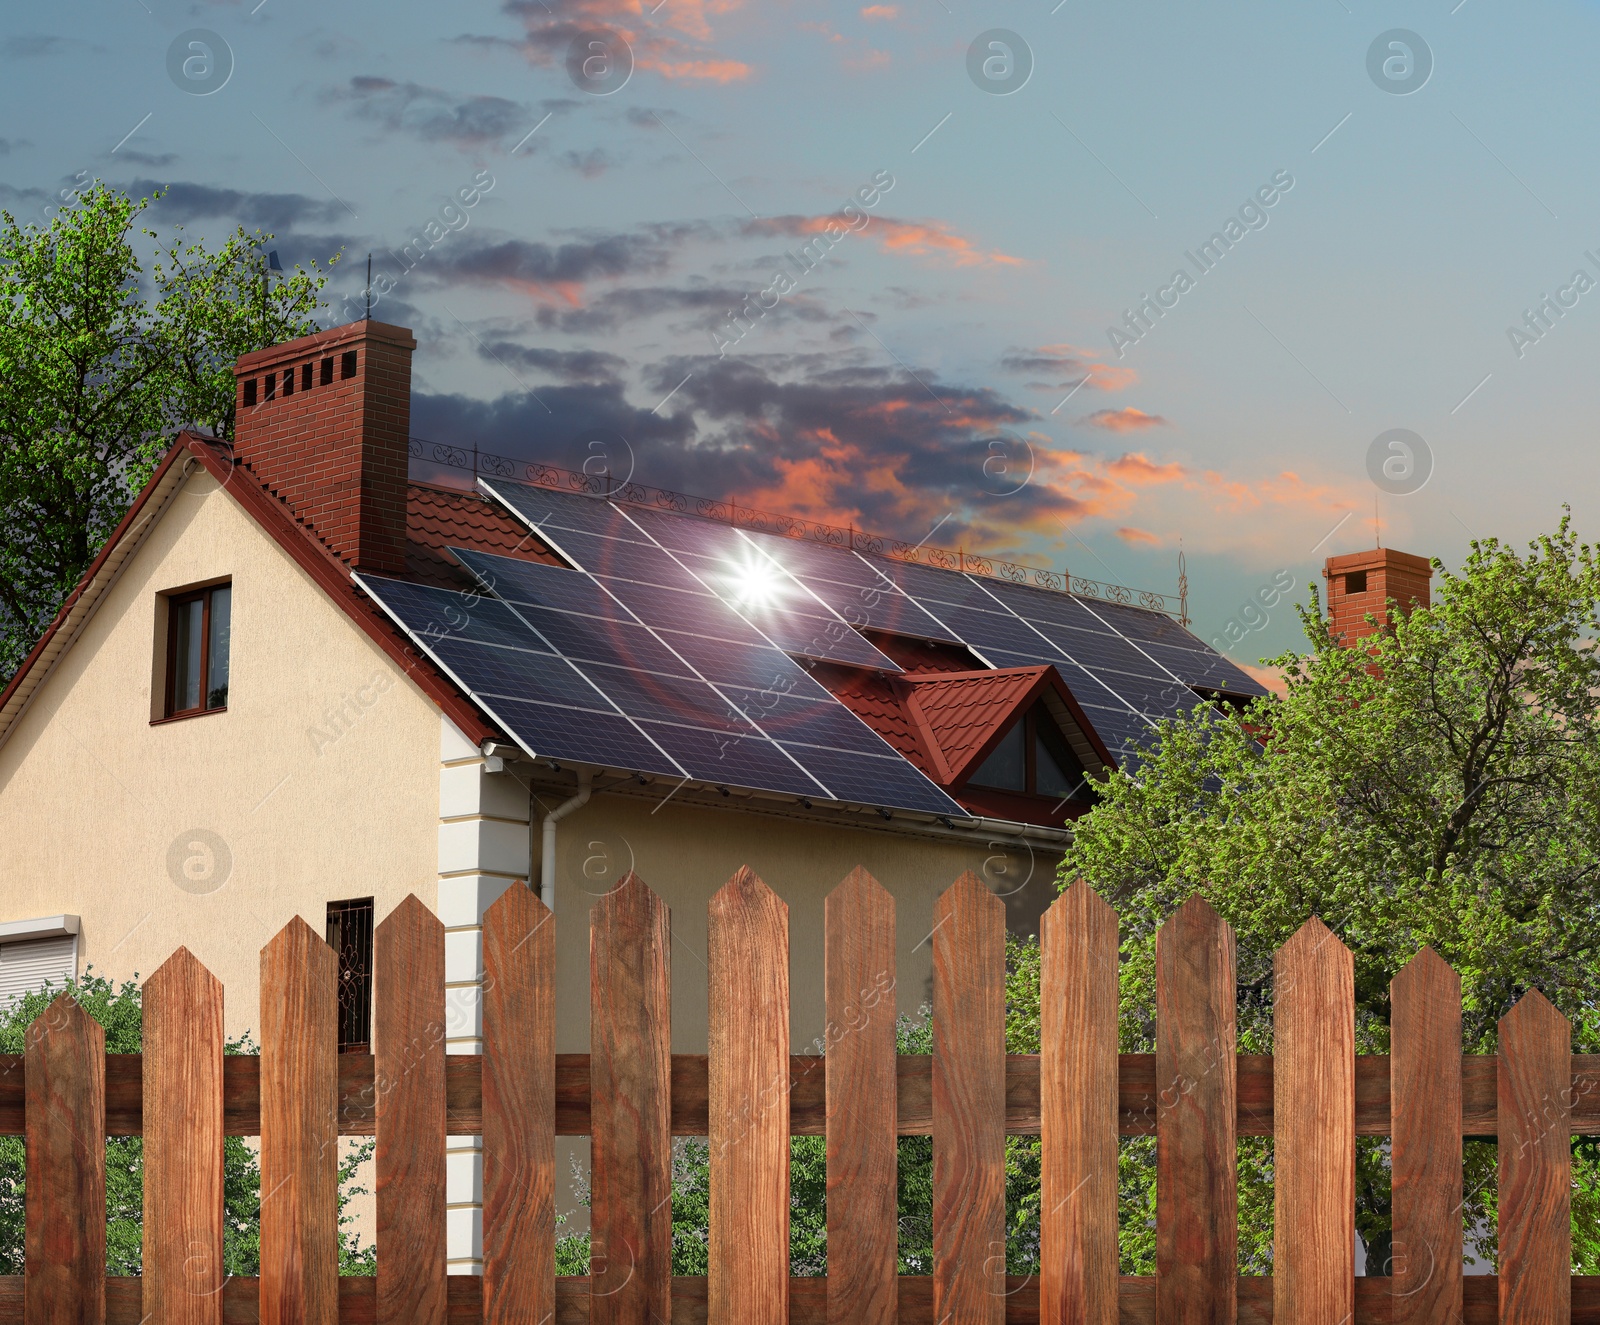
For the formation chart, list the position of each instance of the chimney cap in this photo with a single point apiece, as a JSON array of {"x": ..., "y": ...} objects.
[
  {"x": 324, "y": 342},
  {"x": 1374, "y": 558}
]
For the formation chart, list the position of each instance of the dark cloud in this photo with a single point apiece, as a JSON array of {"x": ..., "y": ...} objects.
[
  {"x": 154, "y": 160},
  {"x": 824, "y": 435},
  {"x": 183, "y": 202},
  {"x": 569, "y": 365},
  {"x": 708, "y": 305},
  {"x": 10, "y": 145},
  {"x": 558, "y": 269},
  {"x": 431, "y": 114}
]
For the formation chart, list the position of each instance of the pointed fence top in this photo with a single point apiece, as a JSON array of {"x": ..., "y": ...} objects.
[
  {"x": 182, "y": 966},
  {"x": 1533, "y": 1009},
  {"x": 1313, "y": 941},
  {"x": 969, "y": 891},
  {"x": 859, "y": 881},
  {"x": 519, "y": 902},
  {"x": 411, "y": 913},
  {"x": 1428, "y": 968},
  {"x": 297, "y": 934},
  {"x": 745, "y": 888},
  {"x": 1082, "y": 899}
]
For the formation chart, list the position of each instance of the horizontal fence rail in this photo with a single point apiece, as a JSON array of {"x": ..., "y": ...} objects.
[
  {"x": 631, "y": 1095},
  {"x": 1138, "y": 1099}
]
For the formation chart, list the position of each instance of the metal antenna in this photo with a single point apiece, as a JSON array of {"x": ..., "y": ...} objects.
[
  {"x": 369, "y": 287},
  {"x": 1183, "y": 585}
]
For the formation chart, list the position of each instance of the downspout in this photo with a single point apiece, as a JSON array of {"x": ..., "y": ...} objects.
[{"x": 547, "y": 861}]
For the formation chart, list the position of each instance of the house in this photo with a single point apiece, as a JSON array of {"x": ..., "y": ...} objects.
[{"x": 296, "y": 682}]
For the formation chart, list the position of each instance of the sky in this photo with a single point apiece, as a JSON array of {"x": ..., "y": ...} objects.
[{"x": 915, "y": 266}]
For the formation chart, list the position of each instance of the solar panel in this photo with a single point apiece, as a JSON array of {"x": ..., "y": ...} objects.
[
  {"x": 660, "y": 681},
  {"x": 853, "y": 588},
  {"x": 874, "y": 780},
  {"x": 541, "y": 700},
  {"x": 1200, "y": 667},
  {"x": 1045, "y": 605},
  {"x": 563, "y": 511}
]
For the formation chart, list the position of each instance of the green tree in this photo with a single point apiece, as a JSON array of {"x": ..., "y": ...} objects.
[
  {"x": 99, "y": 365},
  {"x": 1439, "y": 785},
  {"x": 118, "y": 1009}
]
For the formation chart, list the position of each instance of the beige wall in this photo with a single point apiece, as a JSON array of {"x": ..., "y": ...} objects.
[
  {"x": 99, "y": 809},
  {"x": 685, "y": 853}
]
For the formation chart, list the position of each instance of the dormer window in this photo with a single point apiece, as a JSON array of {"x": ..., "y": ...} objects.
[
  {"x": 1034, "y": 758},
  {"x": 199, "y": 627}
]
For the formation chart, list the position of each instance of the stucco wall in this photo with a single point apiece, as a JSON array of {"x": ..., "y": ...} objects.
[
  {"x": 685, "y": 853},
  {"x": 214, "y": 831}
]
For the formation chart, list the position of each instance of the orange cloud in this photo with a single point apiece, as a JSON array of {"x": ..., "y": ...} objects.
[
  {"x": 655, "y": 49},
  {"x": 1128, "y": 534},
  {"x": 912, "y": 238},
  {"x": 1140, "y": 470},
  {"x": 1124, "y": 420},
  {"x": 881, "y": 11}
]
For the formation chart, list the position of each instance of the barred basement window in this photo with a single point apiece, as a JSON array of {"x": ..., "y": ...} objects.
[{"x": 350, "y": 936}]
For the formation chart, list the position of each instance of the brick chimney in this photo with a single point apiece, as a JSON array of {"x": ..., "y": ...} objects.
[
  {"x": 1361, "y": 582},
  {"x": 324, "y": 423}
]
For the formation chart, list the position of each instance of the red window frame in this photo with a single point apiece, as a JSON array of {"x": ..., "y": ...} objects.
[{"x": 175, "y": 602}]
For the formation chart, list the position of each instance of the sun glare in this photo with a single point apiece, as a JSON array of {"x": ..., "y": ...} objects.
[{"x": 754, "y": 582}]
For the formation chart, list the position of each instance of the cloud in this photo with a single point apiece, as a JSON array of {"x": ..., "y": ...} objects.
[
  {"x": 183, "y": 202},
  {"x": 881, "y": 12},
  {"x": 707, "y": 304},
  {"x": 429, "y": 113},
  {"x": 1139, "y": 470},
  {"x": 1129, "y": 534},
  {"x": 556, "y": 272},
  {"x": 596, "y": 161},
  {"x": 569, "y": 365},
  {"x": 684, "y": 54},
  {"x": 10, "y": 145},
  {"x": 1069, "y": 366},
  {"x": 153, "y": 160},
  {"x": 913, "y": 238},
  {"x": 1127, "y": 419},
  {"x": 36, "y": 45}
]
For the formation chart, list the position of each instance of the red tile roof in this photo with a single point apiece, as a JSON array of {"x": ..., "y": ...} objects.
[
  {"x": 440, "y": 518},
  {"x": 960, "y": 714},
  {"x": 875, "y": 699}
]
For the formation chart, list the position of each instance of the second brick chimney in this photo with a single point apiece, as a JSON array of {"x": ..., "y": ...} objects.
[
  {"x": 324, "y": 422},
  {"x": 1360, "y": 583}
]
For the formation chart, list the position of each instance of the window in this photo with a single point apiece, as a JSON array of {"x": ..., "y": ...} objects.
[
  {"x": 350, "y": 936},
  {"x": 305, "y": 377},
  {"x": 1033, "y": 757},
  {"x": 37, "y": 953},
  {"x": 1356, "y": 582},
  {"x": 249, "y": 391},
  {"x": 347, "y": 364},
  {"x": 198, "y": 629},
  {"x": 327, "y": 372}
]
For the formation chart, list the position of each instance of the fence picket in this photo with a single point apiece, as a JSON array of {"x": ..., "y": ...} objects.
[
  {"x": 630, "y": 1092},
  {"x": 183, "y": 1276},
  {"x": 1314, "y": 1112},
  {"x": 969, "y": 1080},
  {"x": 1078, "y": 1110},
  {"x": 519, "y": 1110},
  {"x": 860, "y": 1045},
  {"x": 1425, "y": 1112},
  {"x": 748, "y": 955},
  {"x": 1535, "y": 1107},
  {"x": 408, "y": 1044},
  {"x": 1197, "y": 1205},
  {"x": 299, "y": 1129},
  {"x": 65, "y": 1218}
]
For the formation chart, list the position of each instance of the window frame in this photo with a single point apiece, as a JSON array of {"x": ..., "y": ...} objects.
[
  {"x": 174, "y": 602},
  {"x": 1030, "y": 722}
]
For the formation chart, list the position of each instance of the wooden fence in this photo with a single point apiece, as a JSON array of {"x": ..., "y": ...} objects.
[{"x": 631, "y": 1094}]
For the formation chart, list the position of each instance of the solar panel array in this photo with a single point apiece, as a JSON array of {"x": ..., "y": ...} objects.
[
  {"x": 563, "y": 662},
  {"x": 1127, "y": 667},
  {"x": 671, "y": 650}
]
